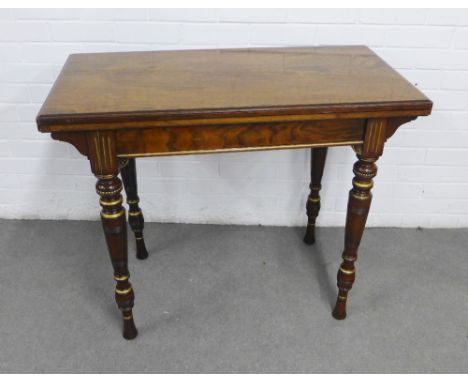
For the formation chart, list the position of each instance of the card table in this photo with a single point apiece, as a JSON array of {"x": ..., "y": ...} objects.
[{"x": 115, "y": 107}]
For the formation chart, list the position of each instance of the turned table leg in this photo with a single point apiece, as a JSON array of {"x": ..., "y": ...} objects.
[
  {"x": 359, "y": 203},
  {"x": 115, "y": 230},
  {"x": 135, "y": 215},
  {"x": 104, "y": 164},
  {"x": 317, "y": 164}
]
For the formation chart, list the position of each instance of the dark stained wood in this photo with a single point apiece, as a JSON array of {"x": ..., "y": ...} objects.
[
  {"x": 135, "y": 215},
  {"x": 104, "y": 165},
  {"x": 78, "y": 139},
  {"x": 317, "y": 164},
  {"x": 196, "y": 139},
  {"x": 266, "y": 117},
  {"x": 394, "y": 123},
  {"x": 359, "y": 202},
  {"x": 207, "y": 84},
  {"x": 115, "y": 106}
]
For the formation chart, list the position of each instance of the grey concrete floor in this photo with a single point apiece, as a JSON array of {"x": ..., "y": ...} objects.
[{"x": 232, "y": 299}]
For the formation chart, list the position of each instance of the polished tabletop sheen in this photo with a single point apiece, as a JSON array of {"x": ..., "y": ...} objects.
[
  {"x": 115, "y": 107},
  {"x": 230, "y": 81}
]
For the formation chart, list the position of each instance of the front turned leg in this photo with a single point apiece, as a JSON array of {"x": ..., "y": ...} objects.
[
  {"x": 358, "y": 208},
  {"x": 359, "y": 202},
  {"x": 135, "y": 215},
  {"x": 109, "y": 188},
  {"x": 317, "y": 164}
]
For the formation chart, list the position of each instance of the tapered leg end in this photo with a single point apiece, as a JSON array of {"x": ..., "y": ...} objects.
[
  {"x": 129, "y": 330},
  {"x": 141, "y": 252},
  {"x": 339, "y": 313},
  {"x": 309, "y": 237}
]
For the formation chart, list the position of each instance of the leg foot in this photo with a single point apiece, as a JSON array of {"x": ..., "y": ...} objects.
[
  {"x": 339, "y": 312},
  {"x": 129, "y": 329},
  {"x": 142, "y": 252},
  {"x": 309, "y": 237}
]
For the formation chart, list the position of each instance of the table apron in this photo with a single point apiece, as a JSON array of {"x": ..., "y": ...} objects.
[{"x": 179, "y": 140}]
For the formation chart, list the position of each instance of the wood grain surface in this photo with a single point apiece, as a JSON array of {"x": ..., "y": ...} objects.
[
  {"x": 115, "y": 106},
  {"x": 168, "y": 85}
]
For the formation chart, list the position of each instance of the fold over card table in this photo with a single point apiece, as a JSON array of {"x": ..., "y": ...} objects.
[{"x": 115, "y": 107}]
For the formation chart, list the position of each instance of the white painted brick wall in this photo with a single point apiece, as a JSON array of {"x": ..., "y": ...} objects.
[{"x": 423, "y": 177}]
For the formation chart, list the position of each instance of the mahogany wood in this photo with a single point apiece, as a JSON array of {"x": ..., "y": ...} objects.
[
  {"x": 317, "y": 164},
  {"x": 104, "y": 165},
  {"x": 172, "y": 85},
  {"x": 135, "y": 215},
  {"x": 116, "y": 106},
  {"x": 171, "y": 140},
  {"x": 360, "y": 198}
]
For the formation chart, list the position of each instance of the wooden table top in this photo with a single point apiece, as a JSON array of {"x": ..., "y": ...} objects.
[{"x": 135, "y": 86}]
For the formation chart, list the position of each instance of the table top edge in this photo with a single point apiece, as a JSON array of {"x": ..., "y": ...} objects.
[{"x": 46, "y": 122}]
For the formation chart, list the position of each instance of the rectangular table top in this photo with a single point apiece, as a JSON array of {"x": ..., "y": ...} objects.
[{"x": 135, "y": 86}]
